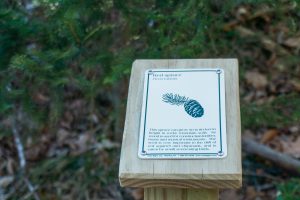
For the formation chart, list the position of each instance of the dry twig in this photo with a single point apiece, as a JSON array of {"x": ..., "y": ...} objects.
[
  {"x": 21, "y": 155},
  {"x": 1, "y": 194},
  {"x": 19, "y": 145},
  {"x": 282, "y": 160}
]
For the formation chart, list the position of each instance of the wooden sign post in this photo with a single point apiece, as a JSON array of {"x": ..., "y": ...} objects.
[{"x": 182, "y": 137}]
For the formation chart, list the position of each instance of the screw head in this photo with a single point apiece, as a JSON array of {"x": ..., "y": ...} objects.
[{"x": 220, "y": 153}]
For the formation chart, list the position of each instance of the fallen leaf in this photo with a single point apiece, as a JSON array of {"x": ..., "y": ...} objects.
[
  {"x": 260, "y": 171},
  {"x": 11, "y": 166},
  {"x": 229, "y": 194},
  {"x": 268, "y": 43},
  {"x": 271, "y": 46},
  {"x": 249, "y": 96},
  {"x": 67, "y": 120},
  {"x": 250, "y": 193},
  {"x": 138, "y": 194},
  {"x": 256, "y": 79},
  {"x": 110, "y": 192},
  {"x": 272, "y": 59},
  {"x": 5, "y": 181},
  {"x": 292, "y": 147},
  {"x": 81, "y": 144},
  {"x": 249, "y": 134},
  {"x": 83, "y": 141},
  {"x": 296, "y": 85},
  {"x": 36, "y": 152},
  {"x": 41, "y": 99},
  {"x": 244, "y": 32},
  {"x": 230, "y": 25},
  {"x": 269, "y": 135},
  {"x": 94, "y": 118},
  {"x": 106, "y": 144},
  {"x": 275, "y": 144},
  {"x": 61, "y": 135},
  {"x": 294, "y": 129},
  {"x": 242, "y": 13},
  {"x": 293, "y": 42}
]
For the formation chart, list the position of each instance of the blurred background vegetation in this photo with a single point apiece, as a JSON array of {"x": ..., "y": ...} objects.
[{"x": 64, "y": 71}]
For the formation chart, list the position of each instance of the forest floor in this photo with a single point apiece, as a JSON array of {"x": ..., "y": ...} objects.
[{"x": 79, "y": 158}]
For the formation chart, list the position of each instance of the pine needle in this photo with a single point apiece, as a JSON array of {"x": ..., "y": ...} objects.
[{"x": 174, "y": 99}]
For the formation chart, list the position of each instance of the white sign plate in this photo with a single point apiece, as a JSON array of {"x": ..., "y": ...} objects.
[{"x": 183, "y": 114}]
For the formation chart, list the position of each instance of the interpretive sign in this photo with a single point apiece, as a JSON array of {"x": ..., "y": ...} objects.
[{"x": 183, "y": 114}]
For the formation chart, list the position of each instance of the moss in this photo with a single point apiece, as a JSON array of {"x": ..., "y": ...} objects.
[{"x": 282, "y": 111}]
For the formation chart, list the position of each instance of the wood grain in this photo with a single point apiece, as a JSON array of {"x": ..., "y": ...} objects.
[
  {"x": 207, "y": 173},
  {"x": 180, "y": 194}
]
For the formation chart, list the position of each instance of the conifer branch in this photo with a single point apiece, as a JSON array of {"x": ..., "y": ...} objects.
[{"x": 174, "y": 99}]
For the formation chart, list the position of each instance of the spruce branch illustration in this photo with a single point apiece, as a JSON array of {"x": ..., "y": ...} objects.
[{"x": 191, "y": 106}]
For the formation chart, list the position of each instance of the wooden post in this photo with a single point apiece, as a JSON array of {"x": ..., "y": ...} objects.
[
  {"x": 182, "y": 179},
  {"x": 180, "y": 194}
]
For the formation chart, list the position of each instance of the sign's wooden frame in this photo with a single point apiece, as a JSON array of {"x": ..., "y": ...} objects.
[{"x": 198, "y": 173}]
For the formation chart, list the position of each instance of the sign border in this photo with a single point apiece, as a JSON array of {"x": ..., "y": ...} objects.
[{"x": 149, "y": 72}]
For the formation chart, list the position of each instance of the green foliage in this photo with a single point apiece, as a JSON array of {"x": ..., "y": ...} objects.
[
  {"x": 88, "y": 44},
  {"x": 289, "y": 190},
  {"x": 73, "y": 174},
  {"x": 283, "y": 111}
]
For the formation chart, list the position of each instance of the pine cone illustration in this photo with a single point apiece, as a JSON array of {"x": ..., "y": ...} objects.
[{"x": 192, "y": 107}]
